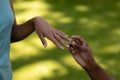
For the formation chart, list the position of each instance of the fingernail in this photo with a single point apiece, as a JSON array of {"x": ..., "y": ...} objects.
[
  {"x": 67, "y": 46},
  {"x": 61, "y": 47},
  {"x": 73, "y": 42},
  {"x": 45, "y": 45}
]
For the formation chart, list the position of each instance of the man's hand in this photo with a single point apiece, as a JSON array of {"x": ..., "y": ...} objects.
[
  {"x": 81, "y": 51},
  {"x": 83, "y": 56}
]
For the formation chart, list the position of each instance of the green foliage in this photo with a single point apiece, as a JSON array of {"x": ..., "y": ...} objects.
[{"x": 95, "y": 20}]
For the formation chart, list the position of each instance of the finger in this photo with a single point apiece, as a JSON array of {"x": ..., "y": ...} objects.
[
  {"x": 63, "y": 35},
  {"x": 73, "y": 51},
  {"x": 79, "y": 40},
  {"x": 73, "y": 43},
  {"x": 58, "y": 38},
  {"x": 81, "y": 47},
  {"x": 71, "y": 48},
  {"x": 77, "y": 37},
  {"x": 44, "y": 42},
  {"x": 76, "y": 46},
  {"x": 55, "y": 42}
]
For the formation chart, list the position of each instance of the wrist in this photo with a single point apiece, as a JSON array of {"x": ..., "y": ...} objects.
[
  {"x": 38, "y": 19},
  {"x": 91, "y": 66},
  {"x": 97, "y": 73},
  {"x": 39, "y": 22}
]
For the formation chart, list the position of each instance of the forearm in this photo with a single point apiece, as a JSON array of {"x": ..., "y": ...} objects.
[
  {"x": 97, "y": 73},
  {"x": 21, "y": 31}
]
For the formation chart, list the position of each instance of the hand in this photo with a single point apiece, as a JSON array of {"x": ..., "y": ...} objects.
[
  {"x": 43, "y": 29},
  {"x": 83, "y": 56},
  {"x": 81, "y": 51}
]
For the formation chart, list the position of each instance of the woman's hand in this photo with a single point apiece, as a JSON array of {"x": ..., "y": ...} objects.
[{"x": 43, "y": 29}]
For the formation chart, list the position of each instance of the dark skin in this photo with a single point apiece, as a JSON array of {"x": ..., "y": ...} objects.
[{"x": 83, "y": 55}]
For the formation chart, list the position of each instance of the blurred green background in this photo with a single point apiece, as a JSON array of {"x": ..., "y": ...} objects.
[{"x": 98, "y": 21}]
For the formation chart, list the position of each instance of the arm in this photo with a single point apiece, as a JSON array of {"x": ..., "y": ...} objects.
[
  {"x": 42, "y": 28},
  {"x": 83, "y": 56},
  {"x": 97, "y": 73}
]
